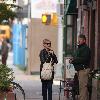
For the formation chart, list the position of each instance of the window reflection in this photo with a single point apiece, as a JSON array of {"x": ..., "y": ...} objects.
[
  {"x": 69, "y": 38},
  {"x": 69, "y": 20}
]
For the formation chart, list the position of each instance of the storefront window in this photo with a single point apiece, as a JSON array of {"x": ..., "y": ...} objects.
[
  {"x": 71, "y": 34},
  {"x": 68, "y": 1},
  {"x": 69, "y": 39},
  {"x": 69, "y": 20}
]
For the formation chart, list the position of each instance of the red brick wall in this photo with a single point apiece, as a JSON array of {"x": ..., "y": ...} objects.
[
  {"x": 86, "y": 26},
  {"x": 95, "y": 83},
  {"x": 97, "y": 39},
  {"x": 98, "y": 44}
]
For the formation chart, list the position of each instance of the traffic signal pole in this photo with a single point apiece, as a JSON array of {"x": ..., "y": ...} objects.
[
  {"x": 65, "y": 29},
  {"x": 64, "y": 37},
  {"x": 60, "y": 38}
]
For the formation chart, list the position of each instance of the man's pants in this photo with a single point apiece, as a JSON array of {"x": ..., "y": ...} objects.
[
  {"x": 83, "y": 80},
  {"x": 47, "y": 88}
]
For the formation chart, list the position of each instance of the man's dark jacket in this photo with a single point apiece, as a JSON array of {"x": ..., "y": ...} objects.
[{"x": 82, "y": 57}]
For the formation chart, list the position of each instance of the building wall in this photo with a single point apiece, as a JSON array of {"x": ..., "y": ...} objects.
[
  {"x": 37, "y": 32},
  {"x": 22, "y": 13},
  {"x": 97, "y": 45},
  {"x": 90, "y": 19}
]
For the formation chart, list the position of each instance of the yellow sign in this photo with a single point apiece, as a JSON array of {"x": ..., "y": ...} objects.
[
  {"x": 5, "y": 32},
  {"x": 54, "y": 19}
]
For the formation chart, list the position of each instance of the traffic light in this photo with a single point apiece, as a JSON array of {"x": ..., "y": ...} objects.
[
  {"x": 54, "y": 20},
  {"x": 46, "y": 19},
  {"x": 14, "y": 1}
]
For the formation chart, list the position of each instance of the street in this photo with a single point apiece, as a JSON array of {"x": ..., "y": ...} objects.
[{"x": 30, "y": 83}]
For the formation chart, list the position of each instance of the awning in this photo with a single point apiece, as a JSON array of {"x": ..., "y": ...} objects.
[{"x": 71, "y": 10}]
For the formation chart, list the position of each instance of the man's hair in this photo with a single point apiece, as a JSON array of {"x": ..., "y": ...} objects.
[{"x": 82, "y": 36}]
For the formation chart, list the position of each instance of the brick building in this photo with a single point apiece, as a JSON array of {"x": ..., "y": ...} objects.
[
  {"x": 89, "y": 16},
  {"x": 87, "y": 20}
]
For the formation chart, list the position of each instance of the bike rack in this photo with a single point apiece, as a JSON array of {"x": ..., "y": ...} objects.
[{"x": 16, "y": 85}]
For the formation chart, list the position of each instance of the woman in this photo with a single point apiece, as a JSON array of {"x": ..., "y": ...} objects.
[{"x": 47, "y": 55}]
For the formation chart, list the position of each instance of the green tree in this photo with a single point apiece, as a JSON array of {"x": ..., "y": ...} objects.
[{"x": 6, "y": 11}]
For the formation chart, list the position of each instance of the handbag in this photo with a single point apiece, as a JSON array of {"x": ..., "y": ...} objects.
[{"x": 46, "y": 73}]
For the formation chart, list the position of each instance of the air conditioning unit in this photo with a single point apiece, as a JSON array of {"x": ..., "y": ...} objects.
[{"x": 60, "y": 9}]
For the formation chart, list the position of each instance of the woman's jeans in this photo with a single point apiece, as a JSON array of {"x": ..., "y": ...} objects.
[{"x": 47, "y": 90}]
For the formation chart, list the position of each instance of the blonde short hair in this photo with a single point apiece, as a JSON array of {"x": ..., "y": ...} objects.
[{"x": 46, "y": 41}]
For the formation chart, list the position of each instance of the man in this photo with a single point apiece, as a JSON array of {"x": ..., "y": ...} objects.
[
  {"x": 4, "y": 51},
  {"x": 81, "y": 62}
]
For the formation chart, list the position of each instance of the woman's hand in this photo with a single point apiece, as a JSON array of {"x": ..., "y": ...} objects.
[
  {"x": 70, "y": 61},
  {"x": 51, "y": 51}
]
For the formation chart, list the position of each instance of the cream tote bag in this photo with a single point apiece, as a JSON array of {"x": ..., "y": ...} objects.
[{"x": 46, "y": 73}]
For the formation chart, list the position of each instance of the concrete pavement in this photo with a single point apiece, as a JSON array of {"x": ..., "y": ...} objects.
[{"x": 30, "y": 83}]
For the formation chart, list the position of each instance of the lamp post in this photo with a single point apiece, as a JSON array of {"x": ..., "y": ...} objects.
[{"x": 60, "y": 38}]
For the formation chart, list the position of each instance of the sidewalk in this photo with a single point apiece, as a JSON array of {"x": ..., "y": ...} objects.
[{"x": 30, "y": 83}]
